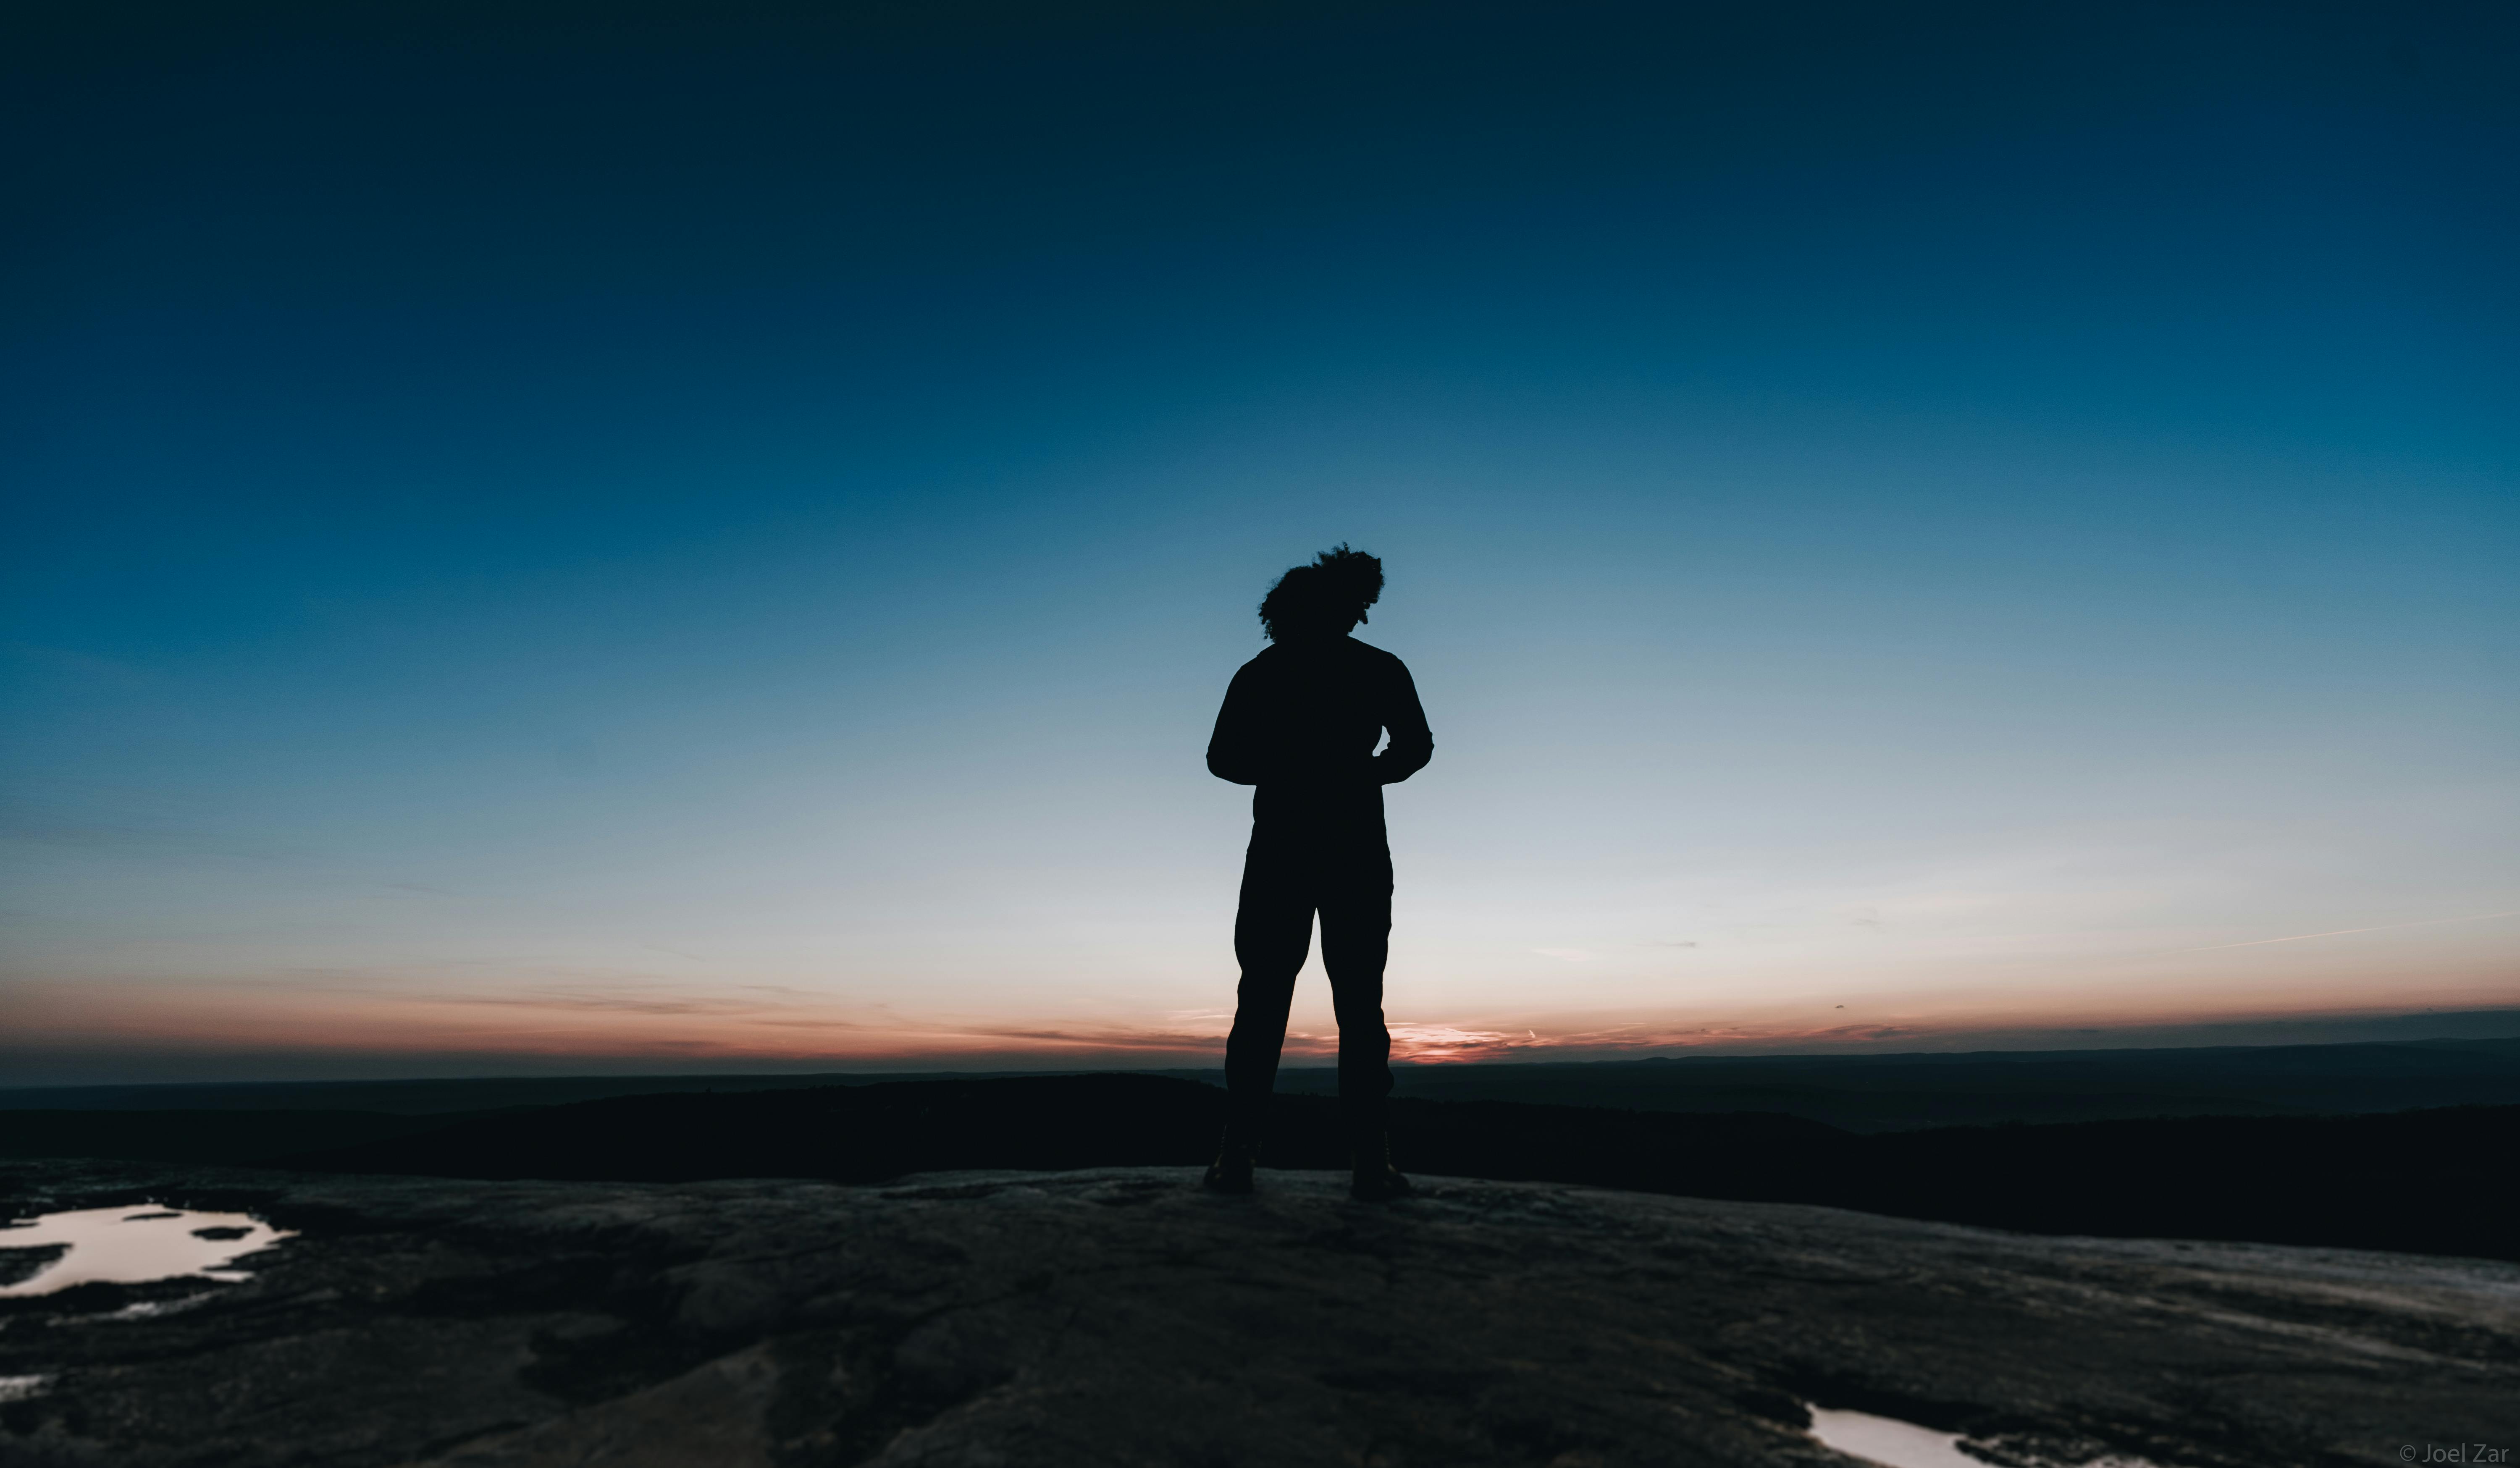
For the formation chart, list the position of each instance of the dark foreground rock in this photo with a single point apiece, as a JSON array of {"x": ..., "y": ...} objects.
[{"x": 1122, "y": 1318}]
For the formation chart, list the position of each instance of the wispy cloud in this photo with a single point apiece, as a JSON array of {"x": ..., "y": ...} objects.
[
  {"x": 1088, "y": 1038},
  {"x": 135, "y": 840},
  {"x": 1446, "y": 1042},
  {"x": 596, "y": 1002},
  {"x": 2430, "y": 922}
]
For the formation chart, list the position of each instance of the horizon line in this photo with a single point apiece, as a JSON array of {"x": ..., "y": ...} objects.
[{"x": 639, "y": 1067}]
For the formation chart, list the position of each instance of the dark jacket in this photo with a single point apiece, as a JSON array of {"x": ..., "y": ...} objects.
[{"x": 1300, "y": 722}]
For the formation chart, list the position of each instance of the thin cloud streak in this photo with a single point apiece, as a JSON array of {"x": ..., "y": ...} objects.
[{"x": 2430, "y": 922}]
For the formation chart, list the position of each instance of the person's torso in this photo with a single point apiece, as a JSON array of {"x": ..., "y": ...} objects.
[{"x": 1320, "y": 711}]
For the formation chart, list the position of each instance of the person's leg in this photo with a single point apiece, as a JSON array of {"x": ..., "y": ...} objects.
[
  {"x": 1273, "y": 931},
  {"x": 1356, "y": 942}
]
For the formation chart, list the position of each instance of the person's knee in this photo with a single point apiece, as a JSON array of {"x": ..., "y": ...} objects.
[
  {"x": 1272, "y": 963},
  {"x": 1360, "y": 1013},
  {"x": 1264, "y": 997}
]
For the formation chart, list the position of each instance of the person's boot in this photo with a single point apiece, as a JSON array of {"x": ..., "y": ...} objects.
[
  {"x": 1231, "y": 1171},
  {"x": 1371, "y": 1176}
]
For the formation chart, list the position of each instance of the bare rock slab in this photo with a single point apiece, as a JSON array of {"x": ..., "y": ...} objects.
[{"x": 1121, "y": 1316}]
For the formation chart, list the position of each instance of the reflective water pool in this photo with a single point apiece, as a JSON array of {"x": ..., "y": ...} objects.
[
  {"x": 135, "y": 1245},
  {"x": 1894, "y": 1443},
  {"x": 1889, "y": 1442}
]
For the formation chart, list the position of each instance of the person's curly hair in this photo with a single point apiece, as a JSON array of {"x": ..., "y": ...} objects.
[{"x": 1324, "y": 598}]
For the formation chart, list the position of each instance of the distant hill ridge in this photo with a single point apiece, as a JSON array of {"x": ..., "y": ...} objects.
[{"x": 1867, "y": 1093}]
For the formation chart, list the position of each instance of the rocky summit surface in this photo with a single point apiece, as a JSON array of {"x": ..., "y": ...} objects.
[{"x": 1121, "y": 1316}]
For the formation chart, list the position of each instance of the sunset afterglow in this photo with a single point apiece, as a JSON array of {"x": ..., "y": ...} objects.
[{"x": 702, "y": 553}]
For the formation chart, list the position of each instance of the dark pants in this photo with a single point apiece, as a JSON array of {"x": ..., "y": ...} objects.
[{"x": 1346, "y": 879}]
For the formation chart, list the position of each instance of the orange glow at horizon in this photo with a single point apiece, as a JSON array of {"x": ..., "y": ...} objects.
[{"x": 755, "y": 1027}]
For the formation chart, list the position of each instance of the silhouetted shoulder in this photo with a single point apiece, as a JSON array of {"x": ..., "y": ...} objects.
[
  {"x": 1278, "y": 654},
  {"x": 1382, "y": 668}
]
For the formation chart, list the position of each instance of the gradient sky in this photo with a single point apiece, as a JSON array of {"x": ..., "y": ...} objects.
[{"x": 548, "y": 535}]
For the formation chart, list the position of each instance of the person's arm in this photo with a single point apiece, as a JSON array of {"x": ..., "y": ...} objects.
[
  {"x": 1412, "y": 743},
  {"x": 1233, "y": 751}
]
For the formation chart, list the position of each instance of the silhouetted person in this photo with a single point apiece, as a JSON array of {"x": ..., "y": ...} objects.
[{"x": 1300, "y": 722}]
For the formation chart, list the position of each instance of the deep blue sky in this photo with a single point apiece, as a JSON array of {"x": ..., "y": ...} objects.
[{"x": 718, "y": 532}]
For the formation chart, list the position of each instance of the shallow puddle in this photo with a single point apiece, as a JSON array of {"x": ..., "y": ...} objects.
[
  {"x": 1894, "y": 1443},
  {"x": 1889, "y": 1442},
  {"x": 135, "y": 1245}
]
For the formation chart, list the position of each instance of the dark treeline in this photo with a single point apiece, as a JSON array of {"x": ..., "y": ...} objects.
[
  {"x": 1857, "y": 1093},
  {"x": 2422, "y": 1181}
]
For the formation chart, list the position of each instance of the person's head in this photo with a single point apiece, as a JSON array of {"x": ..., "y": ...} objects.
[{"x": 1323, "y": 599}]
